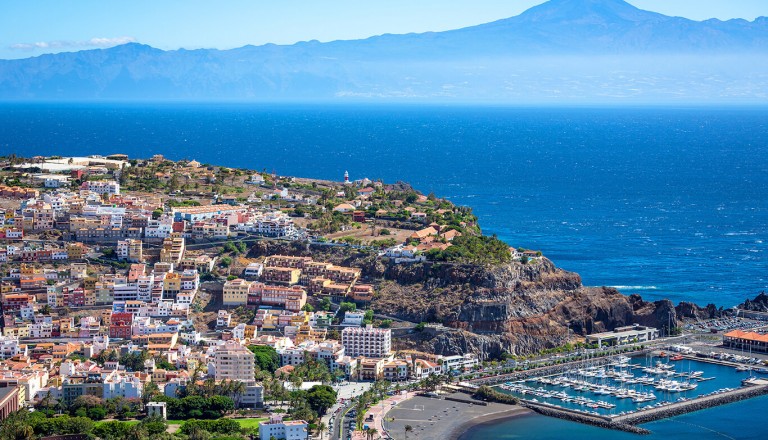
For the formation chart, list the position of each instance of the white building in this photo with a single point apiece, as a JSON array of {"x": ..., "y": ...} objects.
[
  {"x": 253, "y": 270},
  {"x": 9, "y": 347},
  {"x": 404, "y": 254},
  {"x": 458, "y": 362},
  {"x": 624, "y": 335},
  {"x": 368, "y": 341},
  {"x": 280, "y": 430},
  {"x": 122, "y": 385},
  {"x": 157, "y": 409},
  {"x": 353, "y": 319},
  {"x": 223, "y": 318},
  {"x": 253, "y": 396},
  {"x": 159, "y": 228},
  {"x": 232, "y": 361},
  {"x": 101, "y": 187},
  {"x": 55, "y": 181},
  {"x": 40, "y": 330},
  {"x": 125, "y": 291}
]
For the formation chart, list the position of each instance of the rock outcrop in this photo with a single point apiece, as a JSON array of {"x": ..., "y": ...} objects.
[
  {"x": 515, "y": 308},
  {"x": 759, "y": 304}
]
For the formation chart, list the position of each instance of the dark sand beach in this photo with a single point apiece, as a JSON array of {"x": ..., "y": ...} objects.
[{"x": 443, "y": 419}]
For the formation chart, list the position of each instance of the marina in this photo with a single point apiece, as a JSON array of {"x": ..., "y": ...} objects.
[{"x": 626, "y": 388}]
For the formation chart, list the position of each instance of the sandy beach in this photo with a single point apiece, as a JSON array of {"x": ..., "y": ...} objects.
[{"x": 444, "y": 419}]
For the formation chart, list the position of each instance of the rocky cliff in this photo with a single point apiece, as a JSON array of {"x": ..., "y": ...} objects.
[
  {"x": 758, "y": 304},
  {"x": 515, "y": 308}
]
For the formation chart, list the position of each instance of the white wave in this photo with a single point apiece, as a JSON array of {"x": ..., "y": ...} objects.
[{"x": 635, "y": 287}]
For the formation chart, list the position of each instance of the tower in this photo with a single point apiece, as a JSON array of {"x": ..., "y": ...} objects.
[{"x": 346, "y": 176}]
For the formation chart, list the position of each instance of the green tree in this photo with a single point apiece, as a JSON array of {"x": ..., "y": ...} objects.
[
  {"x": 267, "y": 358},
  {"x": 150, "y": 391},
  {"x": 16, "y": 427},
  {"x": 320, "y": 398},
  {"x": 112, "y": 430},
  {"x": 154, "y": 425},
  {"x": 96, "y": 413}
]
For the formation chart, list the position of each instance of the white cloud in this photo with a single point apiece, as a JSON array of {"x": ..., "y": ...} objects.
[{"x": 59, "y": 44}]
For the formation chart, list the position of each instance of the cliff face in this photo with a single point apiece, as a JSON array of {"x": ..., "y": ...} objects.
[
  {"x": 517, "y": 308},
  {"x": 514, "y": 308}
]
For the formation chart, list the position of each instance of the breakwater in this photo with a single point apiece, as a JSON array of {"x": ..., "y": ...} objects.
[
  {"x": 679, "y": 408},
  {"x": 574, "y": 416},
  {"x": 629, "y": 422}
]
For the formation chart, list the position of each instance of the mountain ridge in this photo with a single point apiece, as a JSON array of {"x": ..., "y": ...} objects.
[{"x": 561, "y": 50}]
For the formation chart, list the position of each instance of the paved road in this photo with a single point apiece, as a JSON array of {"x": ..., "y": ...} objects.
[{"x": 333, "y": 418}]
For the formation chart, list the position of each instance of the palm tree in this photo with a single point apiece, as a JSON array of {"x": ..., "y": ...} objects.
[
  {"x": 209, "y": 387},
  {"x": 150, "y": 390},
  {"x": 321, "y": 429},
  {"x": 16, "y": 427},
  {"x": 408, "y": 428},
  {"x": 238, "y": 389}
]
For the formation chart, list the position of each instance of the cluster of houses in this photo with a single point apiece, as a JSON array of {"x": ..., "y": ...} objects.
[
  {"x": 286, "y": 280},
  {"x": 91, "y": 215},
  {"x": 147, "y": 307}
]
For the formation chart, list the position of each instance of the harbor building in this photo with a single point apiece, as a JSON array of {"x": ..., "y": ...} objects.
[
  {"x": 741, "y": 340},
  {"x": 624, "y": 335}
]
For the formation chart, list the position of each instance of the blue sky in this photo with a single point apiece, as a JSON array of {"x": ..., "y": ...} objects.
[{"x": 29, "y": 28}]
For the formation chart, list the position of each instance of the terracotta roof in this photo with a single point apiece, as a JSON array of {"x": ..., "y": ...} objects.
[
  {"x": 751, "y": 336},
  {"x": 426, "y": 232}
]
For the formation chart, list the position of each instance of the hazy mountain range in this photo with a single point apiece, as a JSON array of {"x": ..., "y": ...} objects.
[{"x": 560, "y": 51}]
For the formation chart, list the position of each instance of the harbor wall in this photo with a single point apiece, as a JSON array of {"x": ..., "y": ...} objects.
[
  {"x": 574, "y": 416},
  {"x": 699, "y": 403}
]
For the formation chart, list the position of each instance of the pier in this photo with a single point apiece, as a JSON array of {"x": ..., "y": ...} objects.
[
  {"x": 629, "y": 422},
  {"x": 704, "y": 402}
]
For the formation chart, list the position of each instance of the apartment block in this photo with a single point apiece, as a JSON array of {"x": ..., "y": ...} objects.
[{"x": 368, "y": 341}]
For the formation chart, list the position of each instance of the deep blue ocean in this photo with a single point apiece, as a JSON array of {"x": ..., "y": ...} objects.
[{"x": 665, "y": 202}]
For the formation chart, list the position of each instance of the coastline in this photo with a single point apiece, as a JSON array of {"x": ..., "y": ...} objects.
[{"x": 457, "y": 432}]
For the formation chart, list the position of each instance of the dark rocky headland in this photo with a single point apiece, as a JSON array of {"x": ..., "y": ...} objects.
[{"x": 510, "y": 308}]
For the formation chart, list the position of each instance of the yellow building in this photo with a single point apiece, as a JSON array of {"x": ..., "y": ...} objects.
[
  {"x": 300, "y": 319},
  {"x": 90, "y": 297},
  {"x": 90, "y": 283},
  {"x": 28, "y": 270},
  {"x": 307, "y": 333},
  {"x": 171, "y": 285},
  {"x": 236, "y": 292},
  {"x": 22, "y": 331},
  {"x": 173, "y": 249},
  {"x": 281, "y": 275},
  {"x": 5, "y": 289},
  {"x": 75, "y": 251}
]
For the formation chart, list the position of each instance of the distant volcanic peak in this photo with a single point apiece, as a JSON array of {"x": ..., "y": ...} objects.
[{"x": 575, "y": 11}]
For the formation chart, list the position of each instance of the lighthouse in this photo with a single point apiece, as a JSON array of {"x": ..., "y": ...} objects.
[{"x": 346, "y": 177}]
